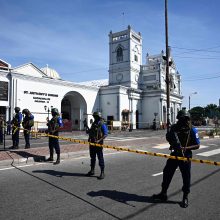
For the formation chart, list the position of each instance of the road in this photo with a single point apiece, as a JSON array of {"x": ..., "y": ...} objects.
[{"x": 45, "y": 191}]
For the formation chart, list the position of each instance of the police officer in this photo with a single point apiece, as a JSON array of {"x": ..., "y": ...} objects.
[
  {"x": 97, "y": 133},
  {"x": 27, "y": 123},
  {"x": 53, "y": 129},
  {"x": 183, "y": 138},
  {"x": 16, "y": 124}
]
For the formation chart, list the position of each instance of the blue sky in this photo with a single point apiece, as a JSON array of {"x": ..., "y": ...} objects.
[{"x": 71, "y": 36}]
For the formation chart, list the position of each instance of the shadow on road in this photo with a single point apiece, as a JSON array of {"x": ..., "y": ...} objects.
[
  {"x": 69, "y": 193},
  {"x": 122, "y": 197},
  {"x": 59, "y": 173},
  {"x": 131, "y": 216},
  {"x": 25, "y": 154},
  {"x": 125, "y": 197}
]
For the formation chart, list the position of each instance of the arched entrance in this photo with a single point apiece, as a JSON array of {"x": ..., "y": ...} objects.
[{"x": 74, "y": 109}]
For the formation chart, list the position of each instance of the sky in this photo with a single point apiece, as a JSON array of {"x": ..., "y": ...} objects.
[{"x": 71, "y": 36}]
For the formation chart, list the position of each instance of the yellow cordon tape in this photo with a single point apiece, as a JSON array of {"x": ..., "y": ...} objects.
[
  {"x": 138, "y": 151},
  {"x": 210, "y": 162}
]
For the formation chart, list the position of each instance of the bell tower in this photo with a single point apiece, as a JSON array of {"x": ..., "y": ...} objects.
[{"x": 125, "y": 58}]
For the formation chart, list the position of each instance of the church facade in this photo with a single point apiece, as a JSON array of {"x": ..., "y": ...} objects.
[{"x": 135, "y": 94}]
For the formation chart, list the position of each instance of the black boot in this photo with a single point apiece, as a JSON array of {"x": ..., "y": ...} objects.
[
  {"x": 185, "y": 202},
  {"x": 12, "y": 147},
  {"x": 91, "y": 172},
  {"x": 102, "y": 175},
  {"x": 50, "y": 159},
  {"x": 162, "y": 196},
  {"x": 58, "y": 159}
]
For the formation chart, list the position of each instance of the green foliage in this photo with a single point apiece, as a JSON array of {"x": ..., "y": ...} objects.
[
  {"x": 198, "y": 113},
  {"x": 210, "y": 132},
  {"x": 212, "y": 111},
  {"x": 213, "y": 132},
  {"x": 216, "y": 131}
]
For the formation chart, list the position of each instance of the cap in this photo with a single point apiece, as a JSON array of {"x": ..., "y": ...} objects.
[
  {"x": 17, "y": 109},
  {"x": 55, "y": 110},
  {"x": 183, "y": 114},
  {"x": 97, "y": 114},
  {"x": 25, "y": 111}
]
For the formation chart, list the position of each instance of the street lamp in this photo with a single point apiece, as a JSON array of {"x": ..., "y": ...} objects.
[
  {"x": 48, "y": 110},
  {"x": 193, "y": 93}
]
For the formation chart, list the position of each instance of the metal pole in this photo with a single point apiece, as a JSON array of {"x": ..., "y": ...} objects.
[
  {"x": 167, "y": 68},
  {"x": 189, "y": 102},
  {"x": 4, "y": 135}
]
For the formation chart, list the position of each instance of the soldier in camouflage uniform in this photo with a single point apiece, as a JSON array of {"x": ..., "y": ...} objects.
[
  {"x": 28, "y": 122},
  {"x": 183, "y": 138},
  {"x": 53, "y": 129},
  {"x": 97, "y": 133},
  {"x": 16, "y": 124}
]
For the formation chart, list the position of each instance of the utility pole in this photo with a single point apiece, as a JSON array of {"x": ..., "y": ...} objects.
[
  {"x": 167, "y": 68},
  {"x": 189, "y": 102}
]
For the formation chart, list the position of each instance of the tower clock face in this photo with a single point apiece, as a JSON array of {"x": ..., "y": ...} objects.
[{"x": 119, "y": 77}]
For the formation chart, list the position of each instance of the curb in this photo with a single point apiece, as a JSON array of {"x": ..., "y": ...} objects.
[
  {"x": 209, "y": 137},
  {"x": 205, "y": 137},
  {"x": 41, "y": 159}
]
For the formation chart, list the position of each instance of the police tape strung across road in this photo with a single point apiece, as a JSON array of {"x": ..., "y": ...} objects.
[
  {"x": 137, "y": 151},
  {"x": 210, "y": 162}
]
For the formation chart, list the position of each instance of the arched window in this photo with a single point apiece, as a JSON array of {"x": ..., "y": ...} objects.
[
  {"x": 119, "y": 54},
  {"x": 136, "y": 58}
]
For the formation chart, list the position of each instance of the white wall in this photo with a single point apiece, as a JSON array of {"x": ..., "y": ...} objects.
[
  {"x": 113, "y": 100},
  {"x": 150, "y": 106},
  {"x": 24, "y": 86}
]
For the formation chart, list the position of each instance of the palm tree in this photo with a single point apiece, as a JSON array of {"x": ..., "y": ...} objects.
[{"x": 212, "y": 111}]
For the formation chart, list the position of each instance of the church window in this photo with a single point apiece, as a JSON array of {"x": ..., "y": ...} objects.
[
  {"x": 149, "y": 78},
  {"x": 119, "y": 54},
  {"x": 136, "y": 58}
]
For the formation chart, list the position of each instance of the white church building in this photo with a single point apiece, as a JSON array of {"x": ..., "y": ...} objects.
[{"x": 134, "y": 94}]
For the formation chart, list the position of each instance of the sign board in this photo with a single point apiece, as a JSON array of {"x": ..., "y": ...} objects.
[
  {"x": 41, "y": 97},
  {"x": 3, "y": 91},
  {"x": 116, "y": 124}
]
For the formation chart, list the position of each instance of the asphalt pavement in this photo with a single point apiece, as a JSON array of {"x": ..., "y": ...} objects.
[
  {"x": 39, "y": 145},
  {"x": 30, "y": 188},
  {"x": 45, "y": 191}
]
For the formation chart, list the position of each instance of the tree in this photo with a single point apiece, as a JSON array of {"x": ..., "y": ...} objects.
[
  {"x": 212, "y": 111},
  {"x": 197, "y": 115}
]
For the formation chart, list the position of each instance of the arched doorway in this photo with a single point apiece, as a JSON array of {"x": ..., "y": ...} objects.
[
  {"x": 74, "y": 109},
  {"x": 66, "y": 108}
]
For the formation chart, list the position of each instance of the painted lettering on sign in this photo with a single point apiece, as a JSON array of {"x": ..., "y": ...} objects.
[
  {"x": 43, "y": 98},
  {"x": 40, "y": 93}
]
